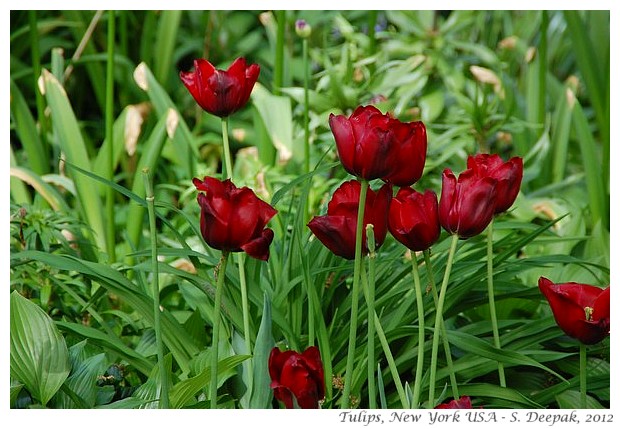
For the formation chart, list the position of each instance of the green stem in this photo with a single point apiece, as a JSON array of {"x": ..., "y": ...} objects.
[
  {"x": 348, "y": 377},
  {"x": 278, "y": 71},
  {"x": 372, "y": 389},
  {"x": 372, "y": 22},
  {"x": 306, "y": 107},
  {"x": 227, "y": 173},
  {"x": 150, "y": 199},
  {"x": 36, "y": 70},
  {"x": 444, "y": 336},
  {"x": 216, "y": 327},
  {"x": 109, "y": 131},
  {"x": 438, "y": 318},
  {"x": 420, "y": 303},
  {"x": 386, "y": 350},
  {"x": 582, "y": 375},
  {"x": 496, "y": 340}
]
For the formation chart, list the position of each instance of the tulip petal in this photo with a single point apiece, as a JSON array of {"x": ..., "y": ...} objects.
[
  {"x": 258, "y": 248},
  {"x": 345, "y": 141},
  {"x": 337, "y": 233}
]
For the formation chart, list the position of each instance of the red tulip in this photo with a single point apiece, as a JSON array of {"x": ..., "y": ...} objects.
[
  {"x": 297, "y": 375},
  {"x": 413, "y": 219},
  {"x": 467, "y": 205},
  {"x": 464, "y": 402},
  {"x": 221, "y": 92},
  {"x": 580, "y": 310},
  {"x": 508, "y": 175},
  {"x": 372, "y": 145},
  {"x": 336, "y": 230},
  {"x": 233, "y": 219}
]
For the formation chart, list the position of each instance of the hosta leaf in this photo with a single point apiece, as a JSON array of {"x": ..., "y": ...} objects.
[{"x": 39, "y": 355}]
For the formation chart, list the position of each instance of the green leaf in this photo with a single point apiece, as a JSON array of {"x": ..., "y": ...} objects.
[
  {"x": 39, "y": 355},
  {"x": 72, "y": 145},
  {"x": 571, "y": 399},
  {"x": 277, "y": 116},
  {"x": 83, "y": 381},
  {"x": 261, "y": 392},
  {"x": 477, "y": 346},
  {"x": 184, "y": 391}
]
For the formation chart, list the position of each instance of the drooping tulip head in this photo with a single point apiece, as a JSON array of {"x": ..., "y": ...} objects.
[
  {"x": 580, "y": 310},
  {"x": 464, "y": 402}
]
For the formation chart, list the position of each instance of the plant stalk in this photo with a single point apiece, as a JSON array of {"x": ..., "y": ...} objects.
[
  {"x": 306, "y": 107},
  {"x": 216, "y": 327},
  {"x": 150, "y": 199},
  {"x": 444, "y": 336},
  {"x": 438, "y": 323},
  {"x": 227, "y": 173},
  {"x": 109, "y": 131},
  {"x": 420, "y": 303},
  {"x": 496, "y": 339},
  {"x": 583, "y": 389},
  {"x": 370, "y": 301},
  {"x": 348, "y": 377},
  {"x": 386, "y": 348}
]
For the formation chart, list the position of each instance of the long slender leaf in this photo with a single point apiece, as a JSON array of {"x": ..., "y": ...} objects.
[{"x": 72, "y": 144}]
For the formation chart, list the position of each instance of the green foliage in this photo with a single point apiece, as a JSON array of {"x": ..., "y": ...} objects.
[{"x": 523, "y": 83}]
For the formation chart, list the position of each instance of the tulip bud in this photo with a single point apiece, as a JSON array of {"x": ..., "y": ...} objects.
[{"x": 303, "y": 29}]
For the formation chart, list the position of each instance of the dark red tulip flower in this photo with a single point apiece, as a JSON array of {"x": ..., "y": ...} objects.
[
  {"x": 414, "y": 218},
  {"x": 233, "y": 219},
  {"x": 372, "y": 145},
  {"x": 336, "y": 230},
  {"x": 467, "y": 205},
  {"x": 221, "y": 92},
  {"x": 508, "y": 175},
  {"x": 297, "y": 375},
  {"x": 464, "y": 402},
  {"x": 580, "y": 310}
]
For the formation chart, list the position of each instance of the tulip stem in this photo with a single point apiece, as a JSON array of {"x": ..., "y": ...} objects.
[
  {"x": 227, "y": 174},
  {"x": 438, "y": 321},
  {"x": 444, "y": 336},
  {"x": 582, "y": 375},
  {"x": 496, "y": 340},
  {"x": 109, "y": 131},
  {"x": 420, "y": 304},
  {"x": 348, "y": 377},
  {"x": 150, "y": 200},
  {"x": 304, "y": 44},
  {"x": 221, "y": 275},
  {"x": 370, "y": 301},
  {"x": 386, "y": 347}
]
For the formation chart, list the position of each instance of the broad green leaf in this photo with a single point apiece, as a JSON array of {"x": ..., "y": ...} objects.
[
  {"x": 39, "y": 355},
  {"x": 83, "y": 381},
  {"x": 277, "y": 116},
  {"x": 571, "y": 399}
]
